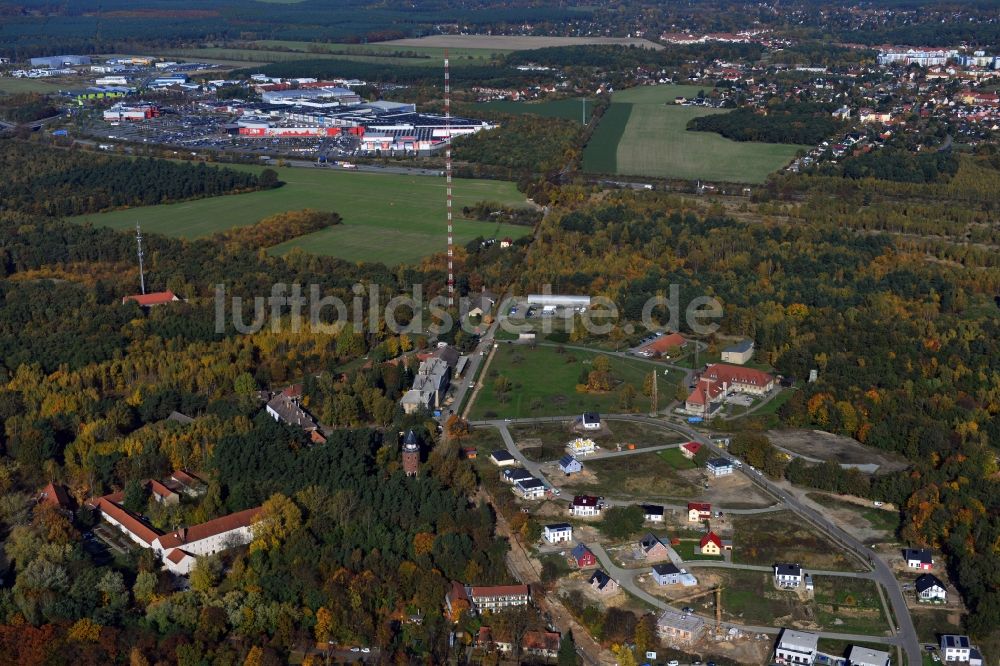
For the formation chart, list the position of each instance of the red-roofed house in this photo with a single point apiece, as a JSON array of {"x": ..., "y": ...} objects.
[
  {"x": 151, "y": 299},
  {"x": 690, "y": 450},
  {"x": 719, "y": 380},
  {"x": 710, "y": 544},
  {"x": 130, "y": 525},
  {"x": 162, "y": 494},
  {"x": 699, "y": 511},
  {"x": 56, "y": 495},
  {"x": 663, "y": 343}
]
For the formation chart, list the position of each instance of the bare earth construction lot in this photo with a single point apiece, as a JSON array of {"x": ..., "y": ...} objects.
[
  {"x": 817, "y": 446},
  {"x": 516, "y": 43}
]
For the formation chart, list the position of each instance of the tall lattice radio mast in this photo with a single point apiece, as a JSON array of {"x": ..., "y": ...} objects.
[
  {"x": 447, "y": 174},
  {"x": 138, "y": 242}
]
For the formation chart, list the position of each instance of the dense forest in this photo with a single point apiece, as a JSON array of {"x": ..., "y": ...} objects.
[
  {"x": 901, "y": 166},
  {"x": 27, "y": 107},
  {"x": 54, "y": 181},
  {"x": 525, "y": 143},
  {"x": 906, "y": 348},
  {"x": 804, "y": 123}
]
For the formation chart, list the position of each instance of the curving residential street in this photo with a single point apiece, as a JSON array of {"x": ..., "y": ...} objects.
[{"x": 904, "y": 637}]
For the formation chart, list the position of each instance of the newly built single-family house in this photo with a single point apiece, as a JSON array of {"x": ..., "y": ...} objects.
[
  {"x": 503, "y": 458},
  {"x": 720, "y": 467},
  {"x": 919, "y": 558},
  {"x": 678, "y": 628},
  {"x": 796, "y": 647},
  {"x": 581, "y": 446},
  {"x": 652, "y": 513},
  {"x": 710, "y": 544},
  {"x": 582, "y": 557},
  {"x": 558, "y": 532},
  {"x": 584, "y": 506},
  {"x": 699, "y": 511},
  {"x": 787, "y": 575},
  {"x": 666, "y": 574},
  {"x": 530, "y": 489},
  {"x": 602, "y": 582},
  {"x": 569, "y": 465},
  {"x": 930, "y": 589},
  {"x": 858, "y": 655},
  {"x": 591, "y": 421},
  {"x": 652, "y": 548}
]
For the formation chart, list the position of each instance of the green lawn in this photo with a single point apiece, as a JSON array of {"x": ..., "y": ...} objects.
[
  {"x": 570, "y": 109},
  {"x": 544, "y": 383},
  {"x": 676, "y": 459},
  {"x": 387, "y": 217},
  {"x": 849, "y": 605},
  {"x": 647, "y": 136}
]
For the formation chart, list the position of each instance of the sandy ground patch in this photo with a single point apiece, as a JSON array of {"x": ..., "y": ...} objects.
[{"x": 821, "y": 445}]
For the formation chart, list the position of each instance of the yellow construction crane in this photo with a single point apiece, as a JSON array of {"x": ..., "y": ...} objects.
[{"x": 717, "y": 591}]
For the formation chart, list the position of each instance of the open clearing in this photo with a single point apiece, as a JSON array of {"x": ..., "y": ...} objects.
[
  {"x": 543, "y": 383},
  {"x": 570, "y": 109},
  {"x": 819, "y": 446},
  {"x": 516, "y": 43},
  {"x": 766, "y": 539},
  {"x": 246, "y": 56},
  {"x": 644, "y": 476},
  {"x": 9, "y": 84},
  {"x": 545, "y": 442},
  {"x": 749, "y": 597},
  {"x": 387, "y": 217},
  {"x": 870, "y": 524},
  {"x": 646, "y": 135}
]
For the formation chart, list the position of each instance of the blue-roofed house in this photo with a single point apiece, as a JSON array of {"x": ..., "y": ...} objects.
[{"x": 570, "y": 465}]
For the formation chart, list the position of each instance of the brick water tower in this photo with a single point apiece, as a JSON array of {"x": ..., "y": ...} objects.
[{"x": 411, "y": 454}]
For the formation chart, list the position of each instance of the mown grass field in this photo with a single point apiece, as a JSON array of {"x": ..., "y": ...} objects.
[
  {"x": 387, "y": 217},
  {"x": 455, "y": 54},
  {"x": 10, "y": 85},
  {"x": 570, "y": 109},
  {"x": 644, "y": 476},
  {"x": 544, "y": 383},
  {"x": 647, "y": 136},
  {"x": 217, "y": 53}
]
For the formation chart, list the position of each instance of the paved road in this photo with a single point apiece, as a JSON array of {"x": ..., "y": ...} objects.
[
  {"x": 868, "y": 575},
  {"x": 535, "y": 468},
  {"x": 906, "y": 635},
  {"x": 626, "y": 579}
]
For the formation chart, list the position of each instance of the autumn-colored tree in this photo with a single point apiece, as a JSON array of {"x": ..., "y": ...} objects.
[
  {"x": 277, "y": 519},
  {"x": 325, "y": 625},
  {"x": 423, "y": 543}
]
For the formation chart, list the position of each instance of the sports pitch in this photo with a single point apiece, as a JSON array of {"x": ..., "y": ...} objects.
[
  {"x": 644, "y": 134},
  {"x": 387, "y": 217}
]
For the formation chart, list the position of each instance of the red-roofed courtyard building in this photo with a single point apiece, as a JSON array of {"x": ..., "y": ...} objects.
[
  {"x": 719, "y": 380},
  {"x": 151, "y": 299}
]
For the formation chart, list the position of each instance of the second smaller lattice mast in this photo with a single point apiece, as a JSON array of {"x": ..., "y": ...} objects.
[
  {"x": 138, "y": 242},
  {"x": 447, "y": 175}
]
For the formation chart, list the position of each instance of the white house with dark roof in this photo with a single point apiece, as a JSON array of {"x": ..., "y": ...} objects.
[
  {"x": 652, "y": 513},
  {"x": 666, "y": 574},
  {"x": 558, "y": 533},
  {"x": 591, "y": 421},
  {"x": 787, "y": 575},
  {"x": 930, "y": 589},
  {"x": 796, "y": 647},
  {"x": 530, "y": 489},
  {"x": 955, "y": 648},
  {"x": 516, "y": 474},
  {"x": 720, "y": 467},
  {"x": 919, "y": 558},
  {"x": 503, "y": 458}
]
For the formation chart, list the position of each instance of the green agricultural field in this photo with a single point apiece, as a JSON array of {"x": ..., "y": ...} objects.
[
  {"x": 570, "y": 109},
  {"x": 544, "y": 383},
  {"x": 647, "y": 136},
  {"x": 387, "y": 217}
]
